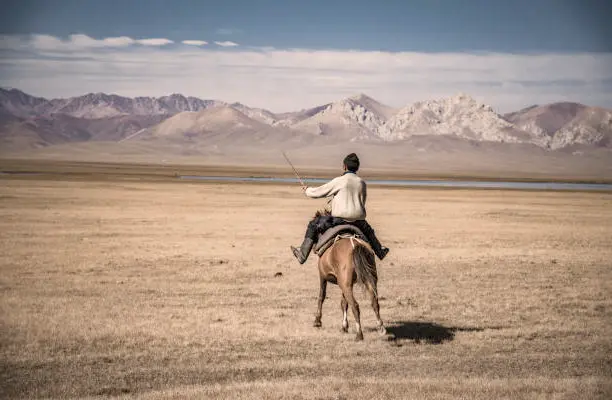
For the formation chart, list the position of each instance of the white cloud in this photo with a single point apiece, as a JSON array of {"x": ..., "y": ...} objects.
[
  {"x": 120, "y": 41},
  {"x": 226, "y": 43},
  {"x": 284, "y": 80},
  {"x": 154, "y": 42},
  {"x": 47, "y": 42},
  {"x": 80, "y": 41},
  {"x": 195, "y": 42}
]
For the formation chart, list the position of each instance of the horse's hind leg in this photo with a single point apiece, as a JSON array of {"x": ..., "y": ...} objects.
[
  {"x": 376, "y": 307},
  {"x": 322, "y": 294},
  {"x": 344, "y": 306},
  {"x": 348, "y": 295}
]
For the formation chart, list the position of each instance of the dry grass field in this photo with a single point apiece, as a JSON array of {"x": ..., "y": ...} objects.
[{"x": 164, "y": 289}]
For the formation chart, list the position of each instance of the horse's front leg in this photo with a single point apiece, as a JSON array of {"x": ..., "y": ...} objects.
[{"x": 322, "y": 294}]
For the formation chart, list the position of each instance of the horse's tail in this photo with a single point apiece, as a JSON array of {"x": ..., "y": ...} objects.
[{"x": 365, "y": 267}]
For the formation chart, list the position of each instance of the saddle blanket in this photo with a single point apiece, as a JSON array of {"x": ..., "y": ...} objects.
[{"x": 327, "y": 238}]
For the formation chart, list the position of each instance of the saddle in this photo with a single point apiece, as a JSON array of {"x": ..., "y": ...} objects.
[{"x": 329, "y": 236}]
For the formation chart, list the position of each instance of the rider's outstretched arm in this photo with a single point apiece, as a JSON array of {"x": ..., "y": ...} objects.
[{"x": 328, "y": 189}]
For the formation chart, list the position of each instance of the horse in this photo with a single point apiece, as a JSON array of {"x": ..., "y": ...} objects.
[{"x": 349, "y": 260}]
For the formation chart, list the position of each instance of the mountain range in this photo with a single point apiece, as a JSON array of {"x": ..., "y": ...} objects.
[{"x": 177, "y": 124}]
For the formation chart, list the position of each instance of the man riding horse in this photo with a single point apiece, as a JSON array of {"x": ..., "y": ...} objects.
[{"x": 348, "y": 207}]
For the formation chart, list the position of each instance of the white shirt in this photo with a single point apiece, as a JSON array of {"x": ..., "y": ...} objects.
[{"x": 349, "y": 196}]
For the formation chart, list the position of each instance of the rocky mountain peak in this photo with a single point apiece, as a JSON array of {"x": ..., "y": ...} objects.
[
  {"x": 459, "y": 115},
  {"x": 18, "y": 103},
  {"x": 358, "y": 117},
  {"x": 361, "y": 98}
]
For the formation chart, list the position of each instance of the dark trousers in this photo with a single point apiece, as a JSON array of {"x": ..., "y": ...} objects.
[{"x": 320, "y": 224}]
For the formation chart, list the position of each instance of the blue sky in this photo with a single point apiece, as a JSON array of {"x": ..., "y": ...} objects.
[
  {"x": 287, "y": 54},
  {"x": 393, "y": 25}
]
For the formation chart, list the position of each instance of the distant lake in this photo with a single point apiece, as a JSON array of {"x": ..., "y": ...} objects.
[{"x": 423, "y": 183}]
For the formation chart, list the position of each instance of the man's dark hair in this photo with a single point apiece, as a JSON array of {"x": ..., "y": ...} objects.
[{"x": 352, "y": 162}]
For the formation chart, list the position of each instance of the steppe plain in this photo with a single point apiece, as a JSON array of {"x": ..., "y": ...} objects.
[{"x": 137, "y": 284}]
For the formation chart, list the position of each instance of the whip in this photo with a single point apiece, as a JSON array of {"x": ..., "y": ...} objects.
[{"x": 294, "y": 170}]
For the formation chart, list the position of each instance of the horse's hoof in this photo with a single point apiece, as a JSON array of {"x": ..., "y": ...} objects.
[
  {"x": 382, "y": 330},
  {"x": 344, "y": 329},
  {"x": 317, "y": 323},
  {"x": 359, "y": 336}
]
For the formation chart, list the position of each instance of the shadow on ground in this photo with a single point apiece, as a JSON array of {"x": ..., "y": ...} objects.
[{"x": 427, "y": 332}]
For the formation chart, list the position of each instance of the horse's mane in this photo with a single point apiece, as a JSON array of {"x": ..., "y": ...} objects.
[{"x": 321, "y": 213}]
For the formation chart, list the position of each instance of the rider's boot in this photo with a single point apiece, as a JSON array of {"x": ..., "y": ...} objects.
[
  {"x": 302, "y": 253},
  {"x": 380, "y": 250}
]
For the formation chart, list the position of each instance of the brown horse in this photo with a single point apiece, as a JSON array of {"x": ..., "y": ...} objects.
[{"x": 348, "y": 261}]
